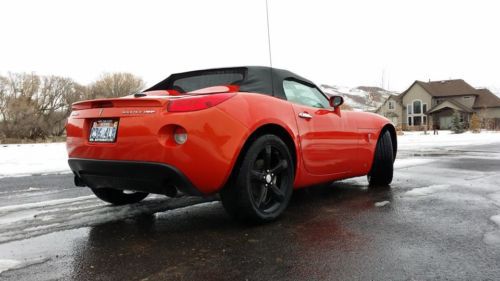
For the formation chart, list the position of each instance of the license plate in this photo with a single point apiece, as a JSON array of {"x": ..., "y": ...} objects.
[{"x": 103, "y": 131}]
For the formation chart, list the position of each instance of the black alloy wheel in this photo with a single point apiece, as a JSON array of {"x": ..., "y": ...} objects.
[{"x": 263, "y": 186}]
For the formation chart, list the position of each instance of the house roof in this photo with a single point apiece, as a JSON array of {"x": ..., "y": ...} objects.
[
  {"x": 396, "y": 98},
  {"x": 485, "y": 98},
  {"x": 447, "y": 88},
  {"x": 449, "y": 103},
  {"x": 457, "y": 87}
]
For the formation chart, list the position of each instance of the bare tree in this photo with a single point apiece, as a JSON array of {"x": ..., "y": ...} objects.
[
  {"x": 33, "y": 106},
  {"x": 116, "y": 85},
  {"x": 23, "y": 85},
  {"x": 20, "y": 118},
  {"x": 54, "y": 103},
  {"x": 3, "y": 97}
]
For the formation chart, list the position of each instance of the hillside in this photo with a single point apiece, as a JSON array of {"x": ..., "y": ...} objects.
[{"x": 362, "y": 98}]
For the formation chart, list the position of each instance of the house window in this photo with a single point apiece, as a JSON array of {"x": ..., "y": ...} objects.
[
  {"x": 466, "y": 97},
  {"x": 416, "y": 111},
  {"x": 417, "y": 107},
  {"x": 417, "y": 121},
  {"x": 391, "y": 105}
]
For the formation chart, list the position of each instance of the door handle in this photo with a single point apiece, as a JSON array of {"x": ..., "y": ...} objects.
[{"x": 305, "y": 115}]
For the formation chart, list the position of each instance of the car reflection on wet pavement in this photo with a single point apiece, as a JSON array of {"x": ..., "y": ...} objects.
[{"x": 432, "y": 224}]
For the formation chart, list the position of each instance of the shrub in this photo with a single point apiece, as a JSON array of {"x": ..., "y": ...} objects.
[{"x": 475, "y": 123}]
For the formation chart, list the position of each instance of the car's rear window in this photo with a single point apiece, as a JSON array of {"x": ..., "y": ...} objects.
[{"x": 188, "y": 82}]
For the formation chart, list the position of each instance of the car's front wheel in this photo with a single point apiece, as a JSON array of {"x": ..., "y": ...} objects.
[
  {"x": 118, "y": 197},
  {"x": 261, "y": 187},
  {"x": 383, "y": 162}
]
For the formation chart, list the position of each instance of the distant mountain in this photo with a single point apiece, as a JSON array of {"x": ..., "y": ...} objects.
[{"x": 362, "y": 98}]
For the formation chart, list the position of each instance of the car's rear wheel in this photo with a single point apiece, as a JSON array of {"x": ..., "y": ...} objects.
[
  {"x": 261, "y": 187},
  {"x": 383, "y": 162},
  {"x": 118, "y": 197}
]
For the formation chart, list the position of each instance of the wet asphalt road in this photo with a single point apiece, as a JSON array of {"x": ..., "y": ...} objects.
[{"x": 435, "y": 226}]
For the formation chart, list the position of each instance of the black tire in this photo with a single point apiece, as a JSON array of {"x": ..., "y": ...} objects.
[
  {"x": 261, "y": 187},
  {"x": 382, "y": 169},
  {"x": 118, "y": 197}
]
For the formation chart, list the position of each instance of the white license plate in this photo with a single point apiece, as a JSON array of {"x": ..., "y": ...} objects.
[{"x": 103, "y": 131}]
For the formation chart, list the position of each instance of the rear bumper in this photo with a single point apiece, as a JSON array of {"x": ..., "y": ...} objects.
[{"x": 131, "y": 175}]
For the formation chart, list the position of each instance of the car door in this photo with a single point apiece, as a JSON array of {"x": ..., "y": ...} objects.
[{"x": 328, "y": 142}]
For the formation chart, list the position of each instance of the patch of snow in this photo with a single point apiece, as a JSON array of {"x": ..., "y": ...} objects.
[
  {"x": 33, "y": 159},
  {"x": 8, "y": 264},
  {"x": 420, "y": 141},
  {"x": 11, "y": 208},
  {"x": 410, "y": 162},
  {"x": 34, "y": 219},
  {"x": 423, "y": 191},
  {"x": 382, "y": 203},
  {"x": 496, "y": 220},
  {"x": 493, "y": 237}
]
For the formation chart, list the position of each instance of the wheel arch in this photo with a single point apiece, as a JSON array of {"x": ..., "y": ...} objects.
[{"x": 269, "y": 128}]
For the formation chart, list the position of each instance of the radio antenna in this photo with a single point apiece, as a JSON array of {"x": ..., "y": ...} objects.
[
  {"x": 269, "y": 49},
  {"x": 268, "y": 35}
]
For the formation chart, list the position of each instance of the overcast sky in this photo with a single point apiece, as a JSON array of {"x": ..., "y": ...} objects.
[{"x": 347, "y": 43}]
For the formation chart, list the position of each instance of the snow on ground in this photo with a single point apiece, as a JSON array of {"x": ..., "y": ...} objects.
[
  {"x": 493, "y": 237},
  {"x": 410, "y": 162},
  {"x": 8, "y": 264},
  {"x": 382, "y": 203},
  {"x": 51, "y": 158},
  {"x": 419, "y": 141},
  {"x": 30, "y": 159},
  {"x": 422, "y": 191},
  {"x": 34, "y": 219}
]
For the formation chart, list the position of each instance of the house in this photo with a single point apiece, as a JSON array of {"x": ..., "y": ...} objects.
[{"x": 426, "y": 105}]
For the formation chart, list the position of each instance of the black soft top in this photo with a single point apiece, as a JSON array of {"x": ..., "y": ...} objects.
[{"x": 255, "y": 79}]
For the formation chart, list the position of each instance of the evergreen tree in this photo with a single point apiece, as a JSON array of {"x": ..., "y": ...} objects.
[{"x": 456, "y": 126}]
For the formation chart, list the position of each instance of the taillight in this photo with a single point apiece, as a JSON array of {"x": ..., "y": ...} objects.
[
  {"x": 102, "y": 104},
  {"x": 91, "y": 104},
  {"x": 197, "y": 102},
  {"x": 80, "y": 106},
  {"x": 180, "y": 135}
]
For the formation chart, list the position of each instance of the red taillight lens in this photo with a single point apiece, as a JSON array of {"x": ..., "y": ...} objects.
[
  {"x": 91, "y": 104},
  {"x": 197, "y": 102},
  {"x": 80, "y": 106},
  {"x": 102, "y": 104}
]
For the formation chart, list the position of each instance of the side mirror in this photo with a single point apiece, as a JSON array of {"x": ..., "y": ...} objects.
[{"x": 336, "y": 101}]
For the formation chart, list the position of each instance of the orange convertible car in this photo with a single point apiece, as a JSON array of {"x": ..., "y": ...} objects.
[{"x": 251, "y": 134}]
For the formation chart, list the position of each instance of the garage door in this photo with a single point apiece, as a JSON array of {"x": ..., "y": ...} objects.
[{"x": 445, "y": 122}]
